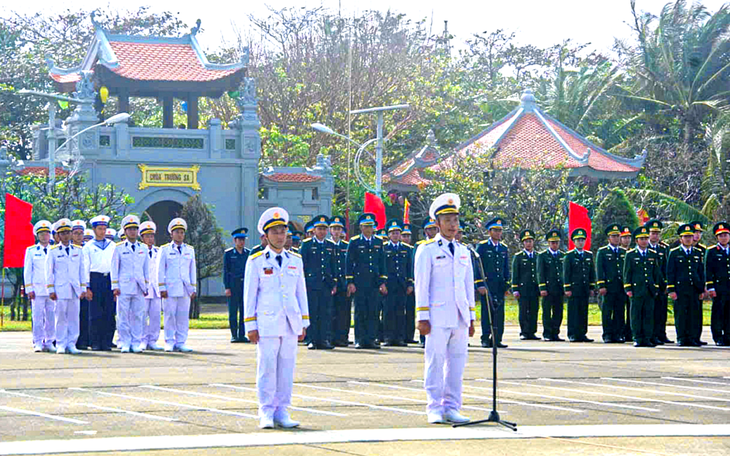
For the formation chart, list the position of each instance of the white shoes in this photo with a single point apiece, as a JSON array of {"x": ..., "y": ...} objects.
[
  {"x": 153, "y": 346},
  {"x": 73, "y": 350},
  {"x": 139, "y": 348},
  {"x": 435, "y": 418},
  {"x": 184, "y": 349},
  {"x": 453, "y": 416},
  {"x": 125, "y": 349},
  {"x": 60, "y": 351},
  {"x": 169, "y": 347},
  {"x": 285, "y": 421},
  {"x": 266, "y": 423},
  {"x": 37, "y": 348}
]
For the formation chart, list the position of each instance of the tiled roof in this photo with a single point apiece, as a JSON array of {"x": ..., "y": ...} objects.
[
  {"x": 65, "y": 78},
  {"x": 292, "y": 177},
  {"x": 40, "y": 171},
  {"x": 528, "y": 138}
]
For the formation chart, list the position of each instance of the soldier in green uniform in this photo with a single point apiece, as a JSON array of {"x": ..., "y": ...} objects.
[
  {"x": 495, "y": 261},
  {"x": 406, "y": 237},
  {"x": 579, "y": 274},
  {"x": 609, "y": 275},
  {"x": 626, "y": 238},
  {"x": 717, "y": 270},
  {"x": 525, "y": 286},
  {"x": 550, "y": 281},
  {"x": 366, "y": 277},
  {"x": 660, "y": 300},
  {"x": 234, "y": 267},
  {"x": 318, "y": 256},
  {"x": 686, "y": 286},
  {"x": 341, "y": 303},
  {"x": 698, "y": 229},
  {"x": 641, "y": 281}
]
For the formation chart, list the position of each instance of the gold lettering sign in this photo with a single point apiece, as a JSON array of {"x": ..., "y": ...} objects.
[{"x": 155, "y": 176}]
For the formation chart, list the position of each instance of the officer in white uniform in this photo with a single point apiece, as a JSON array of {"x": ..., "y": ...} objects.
[
  {"x": 276, "y": 316},
  {"x": 445, "y": 310},
  {"x": 177, "y": 281},
  {"x": 130, "y": 280},
  {"x": 34, "y": 275},
  {"x": 153, "y": 303},
  {"x": 98, "y": 261},
  {"x": 66, "y": 285}
]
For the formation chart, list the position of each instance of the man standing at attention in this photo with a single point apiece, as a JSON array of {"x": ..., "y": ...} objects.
[
  {"x": 495, "y": 260},
  {"x": 34, "y": 274},
  {"x": 550, "y": 278},
  {"x": 153, "y": 303},
  {"x": 98, "y": 262},
  {"x": 234, "y": 268},
  {"x": 525, "y": 286},
  {"x": 444, "y": 282},
  {"x": 609, "y": 272},
  {"x": 275, "y": 302},
  {"x": 579, "y": 274}
]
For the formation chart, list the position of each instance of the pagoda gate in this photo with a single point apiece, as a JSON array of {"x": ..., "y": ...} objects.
[{"x": 162, "y": 167}]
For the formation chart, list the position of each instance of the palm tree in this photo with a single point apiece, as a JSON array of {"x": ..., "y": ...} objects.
[{"x": 680, "y": 66}]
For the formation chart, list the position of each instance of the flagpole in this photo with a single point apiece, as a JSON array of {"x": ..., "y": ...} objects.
[{"x": 2, "y": 306}]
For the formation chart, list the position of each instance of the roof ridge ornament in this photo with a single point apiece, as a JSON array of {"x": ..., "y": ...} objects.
[
  {"x": 94, "y": 22},
  {"x": 528, "y": 102},
  {"x": 194, "y": 31}
]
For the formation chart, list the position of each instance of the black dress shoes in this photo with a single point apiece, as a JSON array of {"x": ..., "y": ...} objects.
[
  {"x": 501, "y": 345},
  {"x": 487, "y": 344},
  {"x": 327, "y": 345}
]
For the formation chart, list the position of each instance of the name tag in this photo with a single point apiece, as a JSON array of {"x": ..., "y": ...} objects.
[{"x": 441, "y": 257}]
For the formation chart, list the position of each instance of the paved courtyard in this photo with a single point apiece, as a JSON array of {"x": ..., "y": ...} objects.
[{"x": 582, "y": 398}]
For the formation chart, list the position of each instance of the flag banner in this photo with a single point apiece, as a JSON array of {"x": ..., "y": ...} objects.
[
  {"x": 407, "y": 212},
  {"x": 643, "y": 216},
  {"x": 18, "y": 231},
  {"x": 375, "y": 205},
  {"x": 578, "y": 218}
]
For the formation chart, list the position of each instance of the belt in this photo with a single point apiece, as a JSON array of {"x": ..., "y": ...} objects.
[{"x": 103, "y": 274}]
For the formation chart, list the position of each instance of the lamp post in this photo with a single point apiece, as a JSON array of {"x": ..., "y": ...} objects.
[
  {"x": 379, "y": 137},
  {"x": 121, "y": 117}
]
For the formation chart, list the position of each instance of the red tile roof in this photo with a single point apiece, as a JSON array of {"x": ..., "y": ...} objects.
[
  {"x": 292, "y": 177},
  {"x": 40, "y": 171},
  {"x": 65, "y": 78}
]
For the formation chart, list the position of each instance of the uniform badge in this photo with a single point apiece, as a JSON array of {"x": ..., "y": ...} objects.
[{"x": 268, "y": 271}]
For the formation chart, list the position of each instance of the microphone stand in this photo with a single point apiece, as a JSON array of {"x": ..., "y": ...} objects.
[{"x": 493, "y": 415}]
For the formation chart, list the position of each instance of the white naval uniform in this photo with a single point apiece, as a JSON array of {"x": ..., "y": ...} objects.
[
  {"x": 444, "y": 287},
  {"x": 65, "y": 277},
  {"x": 177, "y": 275},
  {"x": 34, "y": 275},
  {"x": 130, "y": 275},
  {"x": 153, "y": 302},
  {"x": 275, "y": 305}
]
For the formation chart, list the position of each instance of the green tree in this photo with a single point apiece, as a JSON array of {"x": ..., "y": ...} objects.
[
  {"x": 206, "y": 237},
  {"x": 615, "y": 208}
]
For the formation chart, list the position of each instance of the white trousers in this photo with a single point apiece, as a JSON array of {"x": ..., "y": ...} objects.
[
  {"x": 177, "y": 322},
  {"x": 130, "y": 312},
  {"x": 151, "y": 320},
  {"x": 275, "y": 358},
  {"x": 67, "y": 322},
  {"x": 446, "y": 354},
  {"x": 44, "y": 321}
]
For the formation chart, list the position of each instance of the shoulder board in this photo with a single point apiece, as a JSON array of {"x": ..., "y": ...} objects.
[
  {"x": 256, "y": 255},
  {"x": 294, "y": 253},
  {"x": 521, "y": 252},
  {"x": 430, "y": 241},
  {"x": 77, "y": 246},
  {"x": 588, "y": 252},
  {"x": 702, "y": 245},
  {"x": 631, "y": 250},
  {"x": 603, "y": 248},
  {"x": 345, "y": 242},
  {"x": 676, "y": 248},
  {"x": 421, "y": 241},
  {"x": 329, "y": 240},
  {"x": 407, "y": 245},
  {"x": 484, "y": 241},
  {"x": 622, "y": 247},
  {"x": 561, "y": 251},
  {"x": 228, "y": 250},
  {"x": 56, "y": 246},
  {"x": 119, "y": 243},
  {"x": 355, "y": 237},
  {"x": 188, "y": 245},
  {"x": 571, "y": 251},
  {"x": 663, "y": 244},
  {"x": 307, "y": 240},
  {"x": 32, "y": 247},
  {"x": 712, "y": 247},
  {"x": 164, "y": 245}
]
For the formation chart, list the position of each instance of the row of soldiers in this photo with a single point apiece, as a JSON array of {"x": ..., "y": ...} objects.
[{"x": 83, "y": 290}]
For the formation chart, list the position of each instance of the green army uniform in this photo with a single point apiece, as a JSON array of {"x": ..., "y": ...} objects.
[
  {"x": 717, "y": 271},
  {"x": 642, "y": 278},
  {"x": 626, "y": 231},
  {"x": 661, "y": 299},
  {"x": 686, "y": 277},
  {"x": 697, "y": 329},
  {"x": 609, "y": 275},
  {"x": 524, "y": 282},
  {"x": 550, "y": 281},
  {"x": 579, "y": 274}
]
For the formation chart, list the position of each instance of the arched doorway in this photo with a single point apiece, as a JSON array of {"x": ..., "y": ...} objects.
[{"x": 161, "y": 213}]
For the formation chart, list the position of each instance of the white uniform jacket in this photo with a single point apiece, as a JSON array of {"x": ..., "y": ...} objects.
[
  {"x": 65, "y": 271},
  {"x": 274, "y": 296},
  {"x": 176, "y": 271},
  {"x": 153, "y": 289},
  {"x": 34, "y": 270},
  {"x": 130, "y": 268},
  {"x": 444, "y": 284},
  {"x": 96, "y": 259}
]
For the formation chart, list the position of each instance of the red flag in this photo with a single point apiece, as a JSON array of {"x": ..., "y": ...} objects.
[
  {"x": 374, "y": 205},
  {"x": 578, "y": 218},
  {"x": 407, "y": 212},
  {"x": 643, "y": 216},
  {"x": 18, "y": 231}
]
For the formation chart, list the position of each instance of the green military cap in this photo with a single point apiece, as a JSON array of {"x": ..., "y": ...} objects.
[
  {"x": 612, "y": 229},
  {"x": 527, "y": 234},
  {"x": 641, "y": 232},
  {"x": 697, "y": 226},
  {"x": 721, "y": 227},
  {"x": 685, "y": 229},
  {"x": 625, "y": 231},
  {"x": 654, "y": 225},
  {"x": 578, "y": 233},
  {"x": 553, "y": 235}
]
